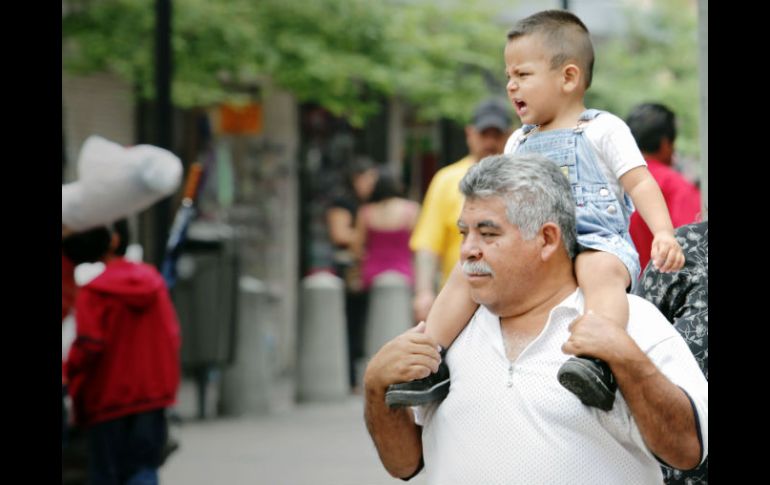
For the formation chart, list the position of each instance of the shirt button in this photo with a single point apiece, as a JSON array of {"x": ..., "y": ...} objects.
[
  {"x": 611, "y": 209},
  {"x": 604, "y": 192}
]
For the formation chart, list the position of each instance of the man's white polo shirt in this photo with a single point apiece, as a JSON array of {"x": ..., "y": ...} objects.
[{"x": 513, "y": 423}]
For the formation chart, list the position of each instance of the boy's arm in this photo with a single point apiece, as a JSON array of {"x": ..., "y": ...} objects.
[{"x": 644, "y": 191}]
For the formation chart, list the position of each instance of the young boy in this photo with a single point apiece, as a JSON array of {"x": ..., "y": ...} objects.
[
  {"x": 549, "y": 61},
  {"x": 123, "y": 367}
]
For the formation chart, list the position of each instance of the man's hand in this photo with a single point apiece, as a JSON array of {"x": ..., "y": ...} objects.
[
  {"x": 421, "y": 304},
  {"x": 597, "y": 336},
  {"x": 412, "y": 355},
  {"x": 666, "y": 254},
  {"x": 661, "y": 409}
]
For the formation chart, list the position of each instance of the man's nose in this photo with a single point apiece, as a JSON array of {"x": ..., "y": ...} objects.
[{"x": 469, "y": 250}]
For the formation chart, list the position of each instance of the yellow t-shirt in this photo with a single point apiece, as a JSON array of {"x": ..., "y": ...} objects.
[{"x": 436, "y": 228}]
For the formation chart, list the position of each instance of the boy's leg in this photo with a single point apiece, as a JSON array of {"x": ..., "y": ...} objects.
[
  {"x": 452, "y": 309},
  {"x": 448, "y": 316},
  {"x": 603, "y": 278}
]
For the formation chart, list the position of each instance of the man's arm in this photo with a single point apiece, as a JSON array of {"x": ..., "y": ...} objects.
[
  {"x": 428, "y": 241},
  {"x": 661, "y": 409},
  {"x": 411, "y": 355}
]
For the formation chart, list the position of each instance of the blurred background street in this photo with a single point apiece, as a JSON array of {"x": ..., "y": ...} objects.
[{"x": 318, "y": 443}]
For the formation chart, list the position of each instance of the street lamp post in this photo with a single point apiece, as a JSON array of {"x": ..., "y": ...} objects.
[{"x": 163, "y": 73}]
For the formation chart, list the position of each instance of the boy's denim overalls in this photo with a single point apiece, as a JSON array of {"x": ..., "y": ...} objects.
[{"x": 602, "y": 221}]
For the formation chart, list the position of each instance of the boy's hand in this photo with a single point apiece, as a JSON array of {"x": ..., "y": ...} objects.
[{"x": 666, "y": 254}]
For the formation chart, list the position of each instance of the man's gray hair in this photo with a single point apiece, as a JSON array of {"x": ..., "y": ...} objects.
[{"x": 534, "y": 190}]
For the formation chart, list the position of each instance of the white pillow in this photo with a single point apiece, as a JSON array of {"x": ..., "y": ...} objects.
[{"x": 115, "y": 182}]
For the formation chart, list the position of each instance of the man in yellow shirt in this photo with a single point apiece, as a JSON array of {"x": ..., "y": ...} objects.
[{"x": 435, "y": 239}]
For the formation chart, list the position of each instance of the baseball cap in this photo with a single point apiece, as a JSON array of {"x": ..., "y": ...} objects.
[{"x": 492, "y": 113}]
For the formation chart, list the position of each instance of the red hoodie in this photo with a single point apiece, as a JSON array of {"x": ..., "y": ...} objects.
[{"x": 125, "y": 358}]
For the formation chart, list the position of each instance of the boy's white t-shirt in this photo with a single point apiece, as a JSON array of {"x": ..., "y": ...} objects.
[{"x": 613, "y": 145}]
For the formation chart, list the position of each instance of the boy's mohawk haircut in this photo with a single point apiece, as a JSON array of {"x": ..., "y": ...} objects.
[{"x": 565, "y": 35}]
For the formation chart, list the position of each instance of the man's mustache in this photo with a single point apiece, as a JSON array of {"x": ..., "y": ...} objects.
[{"x": 477, "y": 268}]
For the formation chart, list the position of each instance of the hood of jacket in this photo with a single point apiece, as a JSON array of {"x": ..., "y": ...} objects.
[{"x": 136, "y": 284}]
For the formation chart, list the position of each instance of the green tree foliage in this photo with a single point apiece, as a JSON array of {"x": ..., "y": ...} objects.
[
  {"x": 439, "y": 56},
  {"x": 655, "y": 61},
  {"x": 343, "y": 54}
]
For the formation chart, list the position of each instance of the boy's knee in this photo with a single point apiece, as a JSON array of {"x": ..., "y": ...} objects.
[{"x": 601, "y": 266}]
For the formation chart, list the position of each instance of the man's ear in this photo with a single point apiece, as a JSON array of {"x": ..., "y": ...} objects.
[
  {"x": 571, "y": 77},
  {"x": 550, "y": 240}
]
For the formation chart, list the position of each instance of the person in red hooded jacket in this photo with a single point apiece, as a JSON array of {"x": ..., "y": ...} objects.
[{"x": 123, "y": 367}]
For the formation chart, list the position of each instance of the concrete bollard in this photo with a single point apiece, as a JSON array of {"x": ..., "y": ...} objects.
[
  {"x": 390, "y": 310},
  {"x": 323, "y": 351},
  {"x": 246, "y": 383}
]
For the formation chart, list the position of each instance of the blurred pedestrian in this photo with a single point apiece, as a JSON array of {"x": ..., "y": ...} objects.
[
  {"x": 123, "y": 367},
  {"x": 341, "y": 222},
  {"x": 683, "y": 298},
  {"x": 383, "y": 227},
  {"x": 653, "y": 126},
  {"x": 436, "y": 240}
]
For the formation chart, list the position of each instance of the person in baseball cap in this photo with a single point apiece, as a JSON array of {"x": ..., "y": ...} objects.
[
  {"x": 492, "y": 113},
  {"x": 435, "y": 239}
]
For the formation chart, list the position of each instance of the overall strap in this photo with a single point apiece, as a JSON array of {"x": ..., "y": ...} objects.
[
  {"x": 527, "y": 130},
  {"x": 586, "y": 117}
]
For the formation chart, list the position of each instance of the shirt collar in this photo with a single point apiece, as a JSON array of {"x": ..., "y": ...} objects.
[{"x": 567, "y": 310}]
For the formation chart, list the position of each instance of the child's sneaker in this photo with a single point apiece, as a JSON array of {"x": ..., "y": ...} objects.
[
  {"x": 414, "y": 393},
  {"x": 591, "y": 380}
]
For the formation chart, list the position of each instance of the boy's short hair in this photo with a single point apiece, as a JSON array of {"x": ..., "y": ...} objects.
[
  {"x": 565, "y": 36},
  {"x": 87, "y": 246}
]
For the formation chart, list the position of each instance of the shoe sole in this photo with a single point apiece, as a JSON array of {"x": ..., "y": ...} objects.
[
  {"x": 403, "y": 398},
  {"x": 583, "y": 383}
]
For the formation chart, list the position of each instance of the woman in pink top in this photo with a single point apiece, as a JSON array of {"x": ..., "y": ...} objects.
[{"x": 383, "y": 228}]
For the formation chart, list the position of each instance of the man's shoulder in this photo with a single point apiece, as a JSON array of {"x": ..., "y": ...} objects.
[
  {"x": 454, "y": 170},
  {"x": 646, "y": 324}
]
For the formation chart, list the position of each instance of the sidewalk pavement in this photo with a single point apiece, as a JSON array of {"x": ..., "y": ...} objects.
[{"x": 304, "y": 444}]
